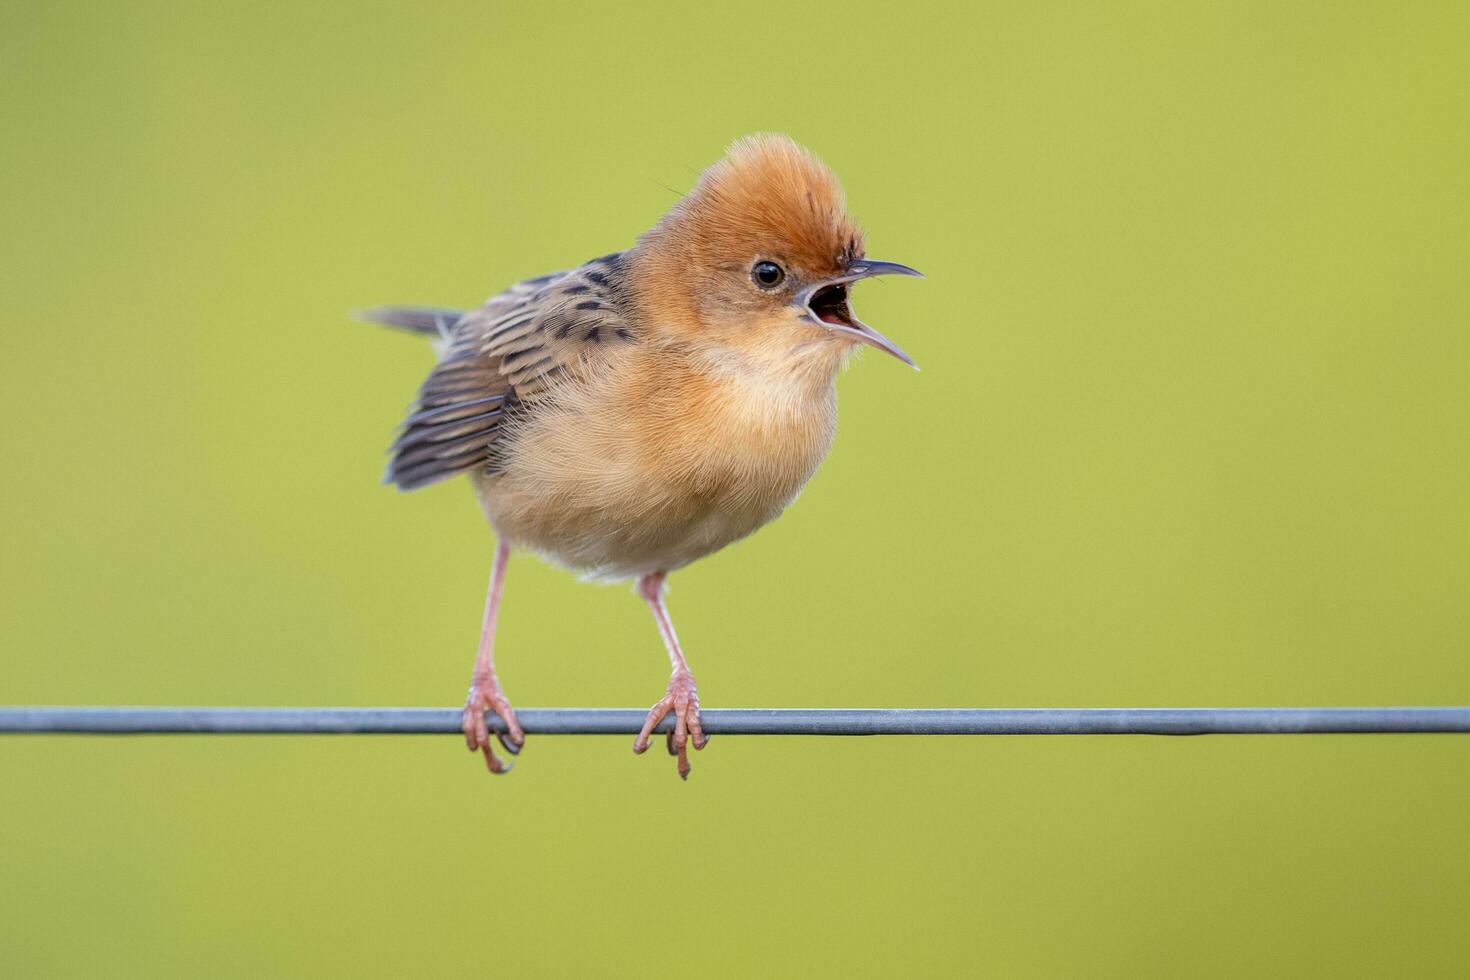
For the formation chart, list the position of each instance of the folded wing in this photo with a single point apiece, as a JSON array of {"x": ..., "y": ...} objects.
[{"x": 501, "y": 360}]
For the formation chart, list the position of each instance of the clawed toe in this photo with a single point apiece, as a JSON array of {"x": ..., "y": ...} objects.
[
  {"x": 682, "y": 701},
  {"x": 476, "y": 727}
]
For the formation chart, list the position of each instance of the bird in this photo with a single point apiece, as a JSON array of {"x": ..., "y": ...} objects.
[{"x": 645, "y": 409}]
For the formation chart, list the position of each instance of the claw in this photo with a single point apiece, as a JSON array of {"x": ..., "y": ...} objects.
[
  {"x": 656, "y": 714},
  {"x": 493, "y": 763}
]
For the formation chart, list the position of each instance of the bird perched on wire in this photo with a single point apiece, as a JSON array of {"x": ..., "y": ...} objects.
[{"x": 647, "y": 408}]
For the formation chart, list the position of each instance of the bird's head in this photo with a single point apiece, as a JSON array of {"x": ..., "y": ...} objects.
[{"x": 760, "y": 258}]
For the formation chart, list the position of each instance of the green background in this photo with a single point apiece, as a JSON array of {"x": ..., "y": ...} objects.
[{"x": 1191, "y": 430}]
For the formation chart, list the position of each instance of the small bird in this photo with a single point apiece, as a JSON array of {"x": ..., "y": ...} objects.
[{"x": 629, "y": 416}]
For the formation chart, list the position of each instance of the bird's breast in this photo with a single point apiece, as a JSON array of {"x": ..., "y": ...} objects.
[{"x": 657, "y": 468}]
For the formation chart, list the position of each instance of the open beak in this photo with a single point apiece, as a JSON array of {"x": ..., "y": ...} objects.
[{"x": 825, "y": 304}]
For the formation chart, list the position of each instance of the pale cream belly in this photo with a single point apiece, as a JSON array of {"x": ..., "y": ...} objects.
[
  {"x": 654, "y": 528},
  {"x": 617, "y": 501}
]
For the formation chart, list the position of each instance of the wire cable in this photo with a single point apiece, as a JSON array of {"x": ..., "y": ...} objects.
[{"x": 742, "y": 721}]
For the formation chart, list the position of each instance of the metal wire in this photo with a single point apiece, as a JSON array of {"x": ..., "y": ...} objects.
[{"x": 743, "y": 721}]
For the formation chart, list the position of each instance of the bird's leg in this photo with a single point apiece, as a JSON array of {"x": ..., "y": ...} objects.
[
  {"x": 485, "y": 693},
  {"x": 682, "y": 698}
]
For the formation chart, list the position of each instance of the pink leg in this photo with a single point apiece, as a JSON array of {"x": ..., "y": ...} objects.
[
  {"x": 682, "y": 698},
  {"x": 485, "y": 694}
]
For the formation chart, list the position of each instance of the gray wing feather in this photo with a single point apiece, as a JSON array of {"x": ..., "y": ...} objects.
[
  {"x": 498, "y": 360},
  {"x": 433, "y": 320}
]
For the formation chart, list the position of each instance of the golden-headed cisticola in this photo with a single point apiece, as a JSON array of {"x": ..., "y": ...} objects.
[{"x": 647, "y": 408}]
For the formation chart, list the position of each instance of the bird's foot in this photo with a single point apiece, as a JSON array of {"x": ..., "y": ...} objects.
[
  {"x": 683, "y": 700},
  {"x": 486, "y": 695}
]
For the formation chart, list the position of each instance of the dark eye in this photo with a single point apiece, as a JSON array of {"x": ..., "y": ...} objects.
[{"x": 767, "y": 275}]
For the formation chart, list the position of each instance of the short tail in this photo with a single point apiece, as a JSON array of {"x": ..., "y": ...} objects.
[{"x": 432, "y": 320}]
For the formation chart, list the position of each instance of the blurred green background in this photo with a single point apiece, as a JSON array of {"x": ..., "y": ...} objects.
[{"x": 1191, "y": 430}]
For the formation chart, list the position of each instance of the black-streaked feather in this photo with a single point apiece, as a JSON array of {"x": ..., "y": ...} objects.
[{"x": 499, "y": 360}]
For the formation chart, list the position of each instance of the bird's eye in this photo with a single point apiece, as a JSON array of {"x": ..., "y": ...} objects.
[{"x": 767, "y": 275}]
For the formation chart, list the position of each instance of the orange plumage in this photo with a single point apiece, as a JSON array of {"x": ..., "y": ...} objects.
[{"x": 647, "y": 408}]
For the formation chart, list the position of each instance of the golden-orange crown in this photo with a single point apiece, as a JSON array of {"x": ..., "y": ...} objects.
[{"x": 769, "y": 197}]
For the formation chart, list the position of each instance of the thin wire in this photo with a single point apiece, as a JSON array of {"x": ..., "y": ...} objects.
[{"x": 743, "y": 721}]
